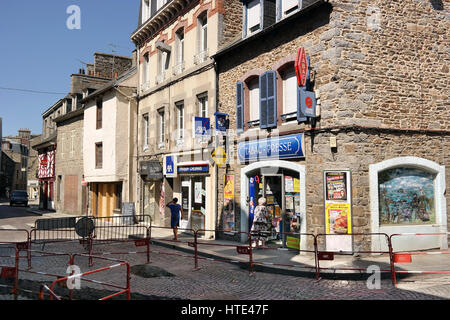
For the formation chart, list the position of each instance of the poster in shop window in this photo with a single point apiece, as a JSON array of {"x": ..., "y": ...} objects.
[
  {"x": 228, "y": 207},
  {"x": 198, "y": 192},
  {"x": 338, "y": 218}
]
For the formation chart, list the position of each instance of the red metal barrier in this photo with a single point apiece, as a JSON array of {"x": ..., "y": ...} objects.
[
  {"x": 273, "y": 246},
  {"x": 406, "y": 256},
  {"x": 122, "y": 290},
  {"x": 11, "y": 272},
  {"x": 23, "y": 244},
  {"x": 330, "y": 255}
]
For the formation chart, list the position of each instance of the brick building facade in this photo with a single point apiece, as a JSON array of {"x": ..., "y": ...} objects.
[{"x": 380, "y": 73}]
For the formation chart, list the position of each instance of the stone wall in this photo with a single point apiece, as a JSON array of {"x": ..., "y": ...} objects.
[{"x": 381, "y": 69}]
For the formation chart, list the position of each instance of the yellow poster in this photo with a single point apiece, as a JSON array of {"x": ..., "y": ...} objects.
[
  {"x": 296, "y": 185},
  {"x": 229, "y": 187},
  {"x": 338, "y": 218}
]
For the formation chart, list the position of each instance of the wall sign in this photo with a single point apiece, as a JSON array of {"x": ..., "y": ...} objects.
[
  {"x": 221, "y": 123},
  {"x": 202, "y": 168},
  {"x": 170, "y": 166},
  {"x": 273, "y": 148},
  {"x": 202, "y": 127}
]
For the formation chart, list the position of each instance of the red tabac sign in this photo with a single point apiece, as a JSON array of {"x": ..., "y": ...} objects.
[{"x": 301, "y": 67}]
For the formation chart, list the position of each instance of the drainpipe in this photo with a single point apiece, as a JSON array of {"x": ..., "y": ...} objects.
[{"x": 216, "y": 168}]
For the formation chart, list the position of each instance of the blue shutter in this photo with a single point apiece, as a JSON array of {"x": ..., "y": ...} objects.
[
  {"x": 239, "y": 106},
  {"x": 271, "y": 99},
  {"x": 268, "y": 100},
  {"x": 263, "y": 101}
]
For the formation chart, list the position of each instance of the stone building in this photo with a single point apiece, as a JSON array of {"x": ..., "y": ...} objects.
[
  {"x": 376, "y": 158},
  {"x": 176, "y": 99},
  {"x": 60, "y": 150},
  {"x": 109, "y": 144}
]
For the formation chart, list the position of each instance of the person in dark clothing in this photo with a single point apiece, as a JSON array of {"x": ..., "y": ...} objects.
[{"x": 175, "y": 210}]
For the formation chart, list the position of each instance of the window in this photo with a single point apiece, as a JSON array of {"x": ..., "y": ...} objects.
[
  {"x": 145, "y": 71},
  {"x": 146, "y": 10},
  {"x": 98, "y": 155},
  {"x": 161, "y": 126},
  {"x": 203, "y": 105},
  {"x": 406, "y": 196},
  {"x": 99, "y": 114},
  {"x": 180, "y": 119},
  {"x": 163, "y": 64},
  {"x": 203, "y": 23},
  {"x": 288, "y": 7},
  {"x": 253, "y": 16},
  {"x": 290, "y": 94},
  {"x": 72, "y": 144},
  {"x": 253, "y": 88},
  {"x": 145, "y": 128},
  {"x": 180, "y": 46},
  {"x": 58, "y": 189},
  {"x": 69, "y": 105}
]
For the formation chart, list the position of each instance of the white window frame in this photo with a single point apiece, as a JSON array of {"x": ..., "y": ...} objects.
[
  {"x": 146, "y": 131},
  {"x": 161, "y": 128},
  {"x": 204, "y": 33},
  {"x": 287, "y": 82},
  {"x": 253, "y": 100},
  {"x": 291, "y": 10},
  {"x": 408, "y": 243},
  {"x": 146, "y": 72},
  {"x": 249, "y": 8},
  {"x": 180, "y": 120},
  {"x": 203, "y": 104}
]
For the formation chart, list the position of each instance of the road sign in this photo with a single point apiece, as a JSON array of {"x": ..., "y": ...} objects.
[
  {"x": 301, "y": 67},
  {"x": 219, "y": 156}
]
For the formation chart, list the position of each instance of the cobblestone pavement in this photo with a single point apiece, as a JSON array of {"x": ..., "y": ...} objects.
[{"x": 225, "y": 281}]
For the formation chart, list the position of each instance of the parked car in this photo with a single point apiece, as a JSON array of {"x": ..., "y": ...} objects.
[{"x": 18, "y": 197}]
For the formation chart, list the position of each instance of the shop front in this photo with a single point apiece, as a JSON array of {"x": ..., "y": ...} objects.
[
  {"x": 46, "y": 175},
  {"x": 276, "y": 174},
  {"x": 192, "y": 185},
  {"x": 152, "y": 183}
]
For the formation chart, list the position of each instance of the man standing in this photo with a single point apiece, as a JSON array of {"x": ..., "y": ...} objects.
[{"x": 175, "y": 210}]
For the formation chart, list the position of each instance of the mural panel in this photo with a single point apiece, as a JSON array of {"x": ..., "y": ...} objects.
[{"x": 406, "y": 196}]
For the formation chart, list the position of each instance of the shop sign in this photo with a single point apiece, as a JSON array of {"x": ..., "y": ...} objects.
[
  {"x": 273, "y": 148},
  {"x": 308, "y": 103},
  {"x": 301, "y": 67},
  {"x": 202, "y": 127},
  {"x": 203, "y": 168},
  {"x": 170, "y": 166},
  {"x": 221, "y": 122}
]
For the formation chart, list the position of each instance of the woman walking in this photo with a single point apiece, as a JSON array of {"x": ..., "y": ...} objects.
[{"x": 260, "y": 228}]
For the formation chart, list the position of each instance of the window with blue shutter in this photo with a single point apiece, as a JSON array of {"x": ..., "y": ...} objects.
[
  {"x": 268, "y": 99},
  {"x": 239, "y": 106}
]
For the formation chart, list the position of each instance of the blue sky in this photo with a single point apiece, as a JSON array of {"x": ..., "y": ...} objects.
[{"x": 38, "y": 52}]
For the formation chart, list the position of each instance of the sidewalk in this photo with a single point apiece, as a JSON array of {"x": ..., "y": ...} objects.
[{"x": 273, "y": 259}]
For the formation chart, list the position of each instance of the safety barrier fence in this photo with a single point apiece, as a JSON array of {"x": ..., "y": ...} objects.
[
  {"x": 138, "y": 230},
  {"x": 121, "y": 289},
  {"x": 329, "y": 255},
  {"x": 8, "y": 271},
  {"x": 18, "y": 237},
  {"x": 406, "y": 257},
  {"x": 286, "y": 241}
]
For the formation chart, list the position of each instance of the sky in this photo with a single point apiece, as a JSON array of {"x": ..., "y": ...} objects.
[{"x": 38, "y": 52}]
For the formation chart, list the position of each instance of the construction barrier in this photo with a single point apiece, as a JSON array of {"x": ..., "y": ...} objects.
[
  {"x": 405, "y": 257},
  {"x": 11, "y": 272},
  {"x": 119, "y": 263},
  {"x": 284, "y": 241},
  {"x": 21, "y": 238},
  {"x": 325, "y": 254}
]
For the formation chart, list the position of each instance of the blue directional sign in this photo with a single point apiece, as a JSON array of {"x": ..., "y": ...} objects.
[
  {"x": 285, "y": 147},
  {"x": 170, "y": 167}
]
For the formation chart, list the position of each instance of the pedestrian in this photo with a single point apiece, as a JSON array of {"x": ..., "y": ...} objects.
[
  {"x": 260, "y": 223},
  {"x": 175, "y": 210}
]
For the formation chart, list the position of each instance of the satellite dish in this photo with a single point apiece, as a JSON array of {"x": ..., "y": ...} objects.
[{"x": 84, "y": 227}]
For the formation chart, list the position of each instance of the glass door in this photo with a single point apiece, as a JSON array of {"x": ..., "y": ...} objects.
[
  {"x": 198, "y": 201},
  {"x": 185, "y": 203},
  {"x": 273, "y": 191}
]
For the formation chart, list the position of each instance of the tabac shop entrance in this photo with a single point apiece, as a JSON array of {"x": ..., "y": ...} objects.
[{"x": 282, "y": 193}]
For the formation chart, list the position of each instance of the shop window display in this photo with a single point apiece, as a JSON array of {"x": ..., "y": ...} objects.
[{"x": 406, "y": 196}]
